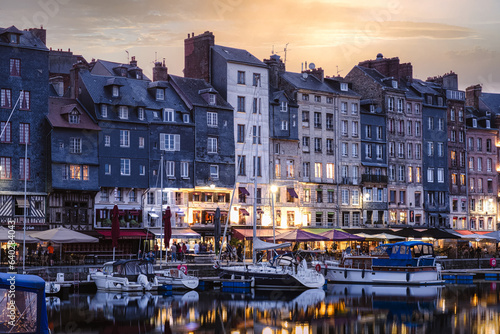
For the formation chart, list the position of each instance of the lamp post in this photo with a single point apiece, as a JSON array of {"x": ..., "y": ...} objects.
[{"x": 274, "y": 189}]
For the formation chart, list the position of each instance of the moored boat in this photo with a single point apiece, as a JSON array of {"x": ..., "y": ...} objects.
[
  {"x": 126, "y": 276},
  {"x": 178, "y": 278},
  {"x": 406, "y": 262}
]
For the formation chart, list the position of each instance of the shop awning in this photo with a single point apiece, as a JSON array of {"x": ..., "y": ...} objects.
[
  {"x": 20, "y": 203},
  {"x": 247, "y": 234},
  {"x": 128, "y": 234},
  {"x": 153, "y": 215},
  {"x": 244, "y": 212},
  {"x": 243, "y": 191},
  {"x": 177, "y": 233},
  {"x": 292, "y": 192}
]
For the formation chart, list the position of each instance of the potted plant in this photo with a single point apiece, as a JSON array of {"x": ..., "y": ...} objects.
[
  {"x": 123, "y": 223},
  {"x": 134, "y": 223},
  {"x": 106, "y": 223}
]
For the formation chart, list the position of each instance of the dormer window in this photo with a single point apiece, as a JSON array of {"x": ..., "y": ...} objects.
[
  {"x": 14, "y": 39},
  {"x": 74, "y": 117},
  {"x": 155, "y": 114},
  {"x": 488, "y": 125},
  {"x": 123, "y": 112},
  {"x": 168, "y": 115},
  {"x": 138, "y": 75},
  {"x": 123, "y": 72},
  {"x": 160, "y": 94},
  {"x": 394, "y": 84},
  {"x": 116, "y": 91},
  {"x": 185, "y": 118},
  {"x": 212, "y": 99},
  {"x": 284, "y": 106},
  {"x": 474, "y": 122},
  {"x": 140, "y": 113},
  {"x": 372, "y": 108},
  {"x": 104, "y": 110},
  {"x": 344, "y": 87}
]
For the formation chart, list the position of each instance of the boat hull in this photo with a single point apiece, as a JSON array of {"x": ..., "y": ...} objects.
[
  {"x": 271, "y": 278},
  {"x": 385, "y": 275}
]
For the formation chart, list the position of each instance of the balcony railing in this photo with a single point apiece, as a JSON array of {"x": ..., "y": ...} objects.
[{"x": 374, "y": 178}]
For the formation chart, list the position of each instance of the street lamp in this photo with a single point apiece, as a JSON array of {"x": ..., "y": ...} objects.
[{"x": 274, "y": 189}]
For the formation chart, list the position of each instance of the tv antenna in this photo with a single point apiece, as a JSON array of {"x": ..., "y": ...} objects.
[
  {"x": 338, "y": 71},
  {"x": 128, "y": 60}
]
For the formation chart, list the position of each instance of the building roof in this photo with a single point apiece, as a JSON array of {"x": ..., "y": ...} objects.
[
  {"x": 237, "y": 55},
  {"x": 424, "y": 87},
  {"x": 379, "y": 78},
  {"x": 109, "y": 69},
  {"x": 26, "y": 38},
  {"x": 334, "y": 84},
  {"x": 192, "y": 90},
  {"x": 59, "y": 107},
  {"x": 306, "y": 81},
  {"x": 491, "y": 101}
]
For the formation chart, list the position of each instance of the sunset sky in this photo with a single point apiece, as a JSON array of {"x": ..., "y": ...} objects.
[{"x": 435, "y": 36}]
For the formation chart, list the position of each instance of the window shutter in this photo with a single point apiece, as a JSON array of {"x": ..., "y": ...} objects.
[
  {"x": 177, "y": 142},
  {"x": 162, "y": 141},
  {"x": 385, "y": 194}
]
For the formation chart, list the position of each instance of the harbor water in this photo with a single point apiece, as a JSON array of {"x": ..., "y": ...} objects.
[{"x": 461, "y": 308}]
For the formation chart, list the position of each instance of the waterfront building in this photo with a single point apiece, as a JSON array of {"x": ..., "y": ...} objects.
[{"x": 24, "y": 87}]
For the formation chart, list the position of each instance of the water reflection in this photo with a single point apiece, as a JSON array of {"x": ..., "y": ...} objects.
[{"x": 339, "y": 309}]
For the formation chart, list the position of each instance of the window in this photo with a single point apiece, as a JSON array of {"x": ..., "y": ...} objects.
[
  {"x": 116, "y": 91},
  {"x": 488, "y": 165},
  {"x": 368, "y": 131},
  {"x": 290, "y": 169},
  {"x": 441, "y": 124},
  {"x": 402, "y": 196},
  {"x": 430, "y": 175},
  {"x": 212, "y": 145},
  {"x": 212, "y": 99},
  {"x": 409, "y": 149},
  {"x": 392, "y": 128},
  {"x": 75, "y": 145},
  {"x": 329, "y": 146},
  {"x": 6, "y": 135},
  {"x": 305, "y": 116},
  {"x": 107, "y": 140},
  {"x": 488, "y": 145},
  {"x": 160, "y": 94},
  {"x": 354, "y": 108},
  {"x": 170, "y": 142},
  {"x": 284, "y": 106},
  {"x": 140, "y": 113},
  {"x": 343, "y": 107},
  {"x": 440, "y": 175},
  {"x": 344, "y": 86},
  {"x": 479, "y": 164},
  {"x": 305, "y": 97},
  {"x": 354, "y": 128},
  {"x": 401, "y": 150},
  {"x": 452, "y": 114},
  {"x": 168, "y": 115},
  {"x": 344, "y": 127},
  {"x": 124, "y": 166},
  {"x": 430, "y": 123},
  {"x": 418, "y": 150},
  {"x": 479, "y": 144},
  {"x": 75, "y": 172},
  {"x": 184, "y": 169},
  {"x": 408, "y": 108},
  {"x": 392, "y": 172},
  {"x": 417, "y": 129},
  {"x": 318, "y": 173},
  {"x": 284, "y": 125},
  {"x": 453, "y": 158},
  {"x": 462, "y": 159},
  {"x": 329, "y": 121},
  {"x": 390, "y": 103},
  {"x": 317, "y": 120},
  {"x": 355, "y": 150},
  {"x": 142, "y": 170},
  {"x": 368, "y": 151},
  {"x": 345, "y": 196},
  {"x": 471, "y": 163},
  {"x": 241, "y": 165},
  {"x": 460, "y": 115},
  {"x": 430, "y": 148},
  {"x": 6, "y": 168},
  {"x": 418, "y": 174},
  {"x": 74, "y": 118},
  {"x": 329, "y": 100},
  {"x": 141, "y": 142},
  {"x": 24, "y": 133},
  {"x": 124, "y": 138},
  {"x": 241, "y": 133},
  {"x": 257, "y": 171},
  {"x": 241, "y": 77},
  {"x": 212, "y": 120},
  {"x": 104, "y": 110},
  {"x": 305, "y": 144},
  {"x": 24, "y": 103},
  {"x": 317, "y": 98},
  {"x": 170, "y": 168},
  {"x": 317, "y": 145},
  {"x": 256, "y": 106},
  {"x": 400, "y": 105},
  {"x": 471, "y": 144},
  {"x": 380, "y": 133},
  {"x": 330, "y": 171},
  {"x": 453, "y": 135},
  {"x": 440, "y": 150},
  {"x": 256, "y": 134},
  {"x": 462, "y": 179},
  {"x": 306, "y": 168},
  {"x": 379, "y": 151},
  {"x": 401, "y": 173},
  {"x": 410, "y": 174},
  {"x": 185, "y": 118},
  {"x": 24, "y": 169},
  {"x": 123, "y": 112},
  {"x": 5, "y": 98},
  {"x": 307, "y": 195},
  {"x": 319, "y": 197},
  {"x": 277, "y": 168},
  {"x": 241, "y": 104},
  {"x": 454, "y": 179},
  {"x": 15, "y": 67},
  {"x": 392, "y": 149}
]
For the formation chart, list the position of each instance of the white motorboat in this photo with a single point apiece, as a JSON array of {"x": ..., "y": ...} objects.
[
  {"x": 52, "y": 288},
  {"x": 178, "y": 278},
  {"x": 406, "y": 262},
  {"x": 126, "y": 276}
]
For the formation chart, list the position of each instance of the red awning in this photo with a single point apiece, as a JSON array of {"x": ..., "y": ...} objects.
[
  {"x": 243, "y": 191},
  {"x": 292, "y": 192},
  {"x": 244, "y": 212},
  {"x": 128, "y": 234}
]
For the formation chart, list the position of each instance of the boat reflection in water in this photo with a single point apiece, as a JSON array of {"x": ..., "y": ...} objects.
[{"x": 339, "y": 309}]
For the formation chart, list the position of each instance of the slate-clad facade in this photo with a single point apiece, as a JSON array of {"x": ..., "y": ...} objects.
[{"x": 24, "y": 85}]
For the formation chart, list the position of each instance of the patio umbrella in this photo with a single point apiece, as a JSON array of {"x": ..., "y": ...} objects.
[
  {"x": 167, "y": 215},
  {"x": 495, "y": 235},
  {"x": 336, "y": 235},
  {"x": 18, "y": 235},
  {"x": 115, "y": 229},
  {"x": 299, "y": 236},
  {"x": 477, "y": 237},
  {"x": 380, "y": 236},
  {"x": 217, "y": 230}
]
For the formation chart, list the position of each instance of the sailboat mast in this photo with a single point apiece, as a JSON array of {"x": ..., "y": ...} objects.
[
  {"x": 255, "y": 160},
  {"x": 161, "y": 211}
]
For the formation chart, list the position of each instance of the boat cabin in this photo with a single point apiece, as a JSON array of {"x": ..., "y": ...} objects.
[
  {"x": 404, "y": 253},
  {"x": 129, "y": 268}
]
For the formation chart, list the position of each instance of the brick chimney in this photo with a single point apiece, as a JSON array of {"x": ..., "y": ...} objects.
[
  {"x": 75, "y": 78},
  {"x": 472, "y": 95},
  {"x": 160, "y": 71},
  {"x": 390, "y": 67},
  {"x": 319, "y": 73},
  {"x": 197, "y": 55},
  {"x": 133, "y": 62},
  {"x": 40, "y": 33},
  {"x": 276, "y": 66}
]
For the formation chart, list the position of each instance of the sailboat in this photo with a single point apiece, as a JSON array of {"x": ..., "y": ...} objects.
[{"x": 285, "y": 272}]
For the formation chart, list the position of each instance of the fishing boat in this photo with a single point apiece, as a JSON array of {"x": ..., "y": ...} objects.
[
  {"x": 22, "y": 304},
  {"x": 406, "y": 262},
  {"x": 126, "y": 276},
  {"x": 178, "y": 278}
]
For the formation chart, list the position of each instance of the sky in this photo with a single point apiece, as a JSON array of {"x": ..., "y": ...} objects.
[{"x": 435, "y": 36}]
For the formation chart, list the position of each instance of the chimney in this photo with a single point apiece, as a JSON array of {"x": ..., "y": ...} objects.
[
  {"x": 472, "y": 95},
  {"x": 75, "y": 78},
  {"x": 276, "y": 66},
  {"x": 390, "y": 67},
  {"x": 40, "y": 33},
  {"x": 197, "y": 56},
  {"x": 133, "y": 62},
  {"x": 160, "y": 71},
  {"x": 319, "y": 73},
  {"x": 450, "y": 81}
]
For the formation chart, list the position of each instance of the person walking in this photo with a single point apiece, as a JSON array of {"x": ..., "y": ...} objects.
[
  {"x": 173, "y": 251},
  {"x": 239, "y": 252},
  {"x": 179, "y": 251},
  {"x": 50, "y": 249},
  {"x": 196, "y": 247}
]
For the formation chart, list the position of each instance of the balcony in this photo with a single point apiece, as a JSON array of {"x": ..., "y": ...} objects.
[
  {"x": 350, "y": 180},
  {"x": 373, "y": 178}
]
